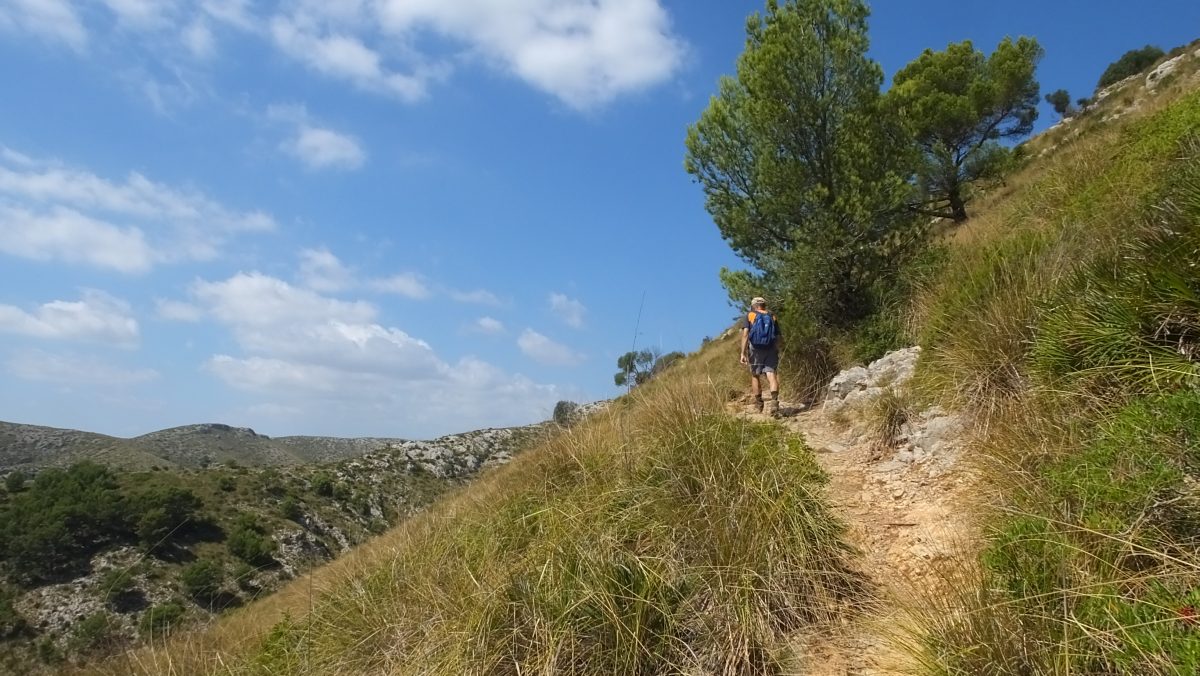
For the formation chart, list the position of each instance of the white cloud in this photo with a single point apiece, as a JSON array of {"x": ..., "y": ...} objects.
[
  {"x": 545, "y": 351},
  {"x": 569, "y": 310},
  {"x": 178, "y": 311},
  {"x": 346, "y": 57},
  {"x": 52, "y": 212},
  {"x": 327, "y": 359},
  {"x": 405, "y": 284},
  {"x": 63, "y": 234},
  {"x": 97, "y": 317},
  {"x": 584, "y": 52},
  {"x": 317, "y": 147},
  {"x": 67, "y": 369},
  {"x": 478, "y": 296},
  {"x": 255, "y": 300},
  {"x": 326, "y": 149},
  {"x": 140, "y": 13},
  {"x": 488, "y": 325},
  {"x": 199, "y": 40},
  {"x": 236, "y": 13},
  {"x": 51, "y": 19},
  {"x": 322, "y": 271}
]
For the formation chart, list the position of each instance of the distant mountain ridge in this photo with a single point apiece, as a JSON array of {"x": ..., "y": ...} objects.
[{"x": 186, "y": 447}]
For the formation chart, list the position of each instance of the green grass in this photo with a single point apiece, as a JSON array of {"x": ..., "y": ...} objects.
[{"x": 1069, "y": 320}]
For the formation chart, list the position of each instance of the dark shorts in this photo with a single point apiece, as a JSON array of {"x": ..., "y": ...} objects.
[{"x": 764, "y": 360}]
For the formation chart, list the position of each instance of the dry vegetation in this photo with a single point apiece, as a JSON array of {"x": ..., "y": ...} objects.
[
  {"x": 1068, "y": 319},
  {"x": 662, "y": 536}
]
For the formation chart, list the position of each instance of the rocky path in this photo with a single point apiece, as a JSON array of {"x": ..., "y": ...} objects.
[{"x": 904, "y": 502}]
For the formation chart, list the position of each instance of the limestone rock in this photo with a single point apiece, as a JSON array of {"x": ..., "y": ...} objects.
[{"x": 1164, "y": 69}]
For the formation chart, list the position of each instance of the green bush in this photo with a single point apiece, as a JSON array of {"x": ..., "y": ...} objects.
[
  {"x": 227, "y": 484},
  {"x": 48, "y": 652},
  {"x": 164, "y": 513},
  {"x": 342, "y": 491},
  {"x": 54, "y": 526},
  {"x": 243, "y": 575},
  {"x": 322, "y": 484},
  {"x": 1131, "y": 63},
  {"x": 248, "y": 542},
  {"x": 160, "y": 620},
  {"x": 564, "y": 412},
  {"x": 96, "y": 632},
  {"x": 290, "y": 508},
  {"x": 15, "y": 481},
  {"x": 116, "y": 583},
  {"x": 202, "y": 580}
]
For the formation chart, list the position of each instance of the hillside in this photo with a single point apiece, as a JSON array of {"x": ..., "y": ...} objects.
[
  {"x": 190, "y": 446},
  {"x": 94, "y": 558}
]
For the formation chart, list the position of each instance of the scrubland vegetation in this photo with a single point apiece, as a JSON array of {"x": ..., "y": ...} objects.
[
  {"x": 661, "y": 536},
  {"x": 1058, "y": 305},
  {"x": 1068, "y": 318}
]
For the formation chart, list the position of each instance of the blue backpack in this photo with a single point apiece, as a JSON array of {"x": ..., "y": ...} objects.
[{"x": 763, "y": 330}]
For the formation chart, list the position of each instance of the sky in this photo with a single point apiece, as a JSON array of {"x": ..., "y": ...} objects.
[{"x": 397, "y": 218}]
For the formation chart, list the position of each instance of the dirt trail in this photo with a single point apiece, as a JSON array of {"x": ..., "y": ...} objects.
[{"x": 906, "y": 508}]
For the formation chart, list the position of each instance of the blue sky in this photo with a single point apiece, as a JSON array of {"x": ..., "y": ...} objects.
[{"x": 386, "y": 217}]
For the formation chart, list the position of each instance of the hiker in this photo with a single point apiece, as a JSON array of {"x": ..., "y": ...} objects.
[{"x": 760, "y": 350}]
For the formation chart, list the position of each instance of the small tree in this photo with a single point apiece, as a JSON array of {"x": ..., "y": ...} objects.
[
  {"x": 202, "y": 579},
  {"x": 1083, "y": 102},
  {"x": 322, "y": 484},
  {"x": 1061, "y": 101},
  {"x": 164, "y": 513},
  {"x": 564, "y": 412},
  {"x": 290, "y": 508},
  {"x": 159, "y": 620},
  {"x": 665, "y": 362},
  {"x": 1131, "y": 63},
  {"x": 634, "y": 368},
  {"x": 959, "y": 104},
  {"x": 802, "y": 171},
  {"x": 248, "y": 542}
]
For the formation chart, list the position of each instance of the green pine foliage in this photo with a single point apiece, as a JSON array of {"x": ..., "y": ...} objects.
[
  {"x": 202, "y": 580},
  {"x": 249, "y": 542},
  {"x": 1131, "y": 63},
  {"x": 802, "y": 171},
  {"x": 959, "y": 105}
]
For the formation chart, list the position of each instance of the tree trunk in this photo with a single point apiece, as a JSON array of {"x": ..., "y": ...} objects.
[{"x": 958, "y": 208}]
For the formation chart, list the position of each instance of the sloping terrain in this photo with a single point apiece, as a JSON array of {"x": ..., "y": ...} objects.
[{"x": 95, "y": 559}]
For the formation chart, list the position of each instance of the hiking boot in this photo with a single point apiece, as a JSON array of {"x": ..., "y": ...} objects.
[
  {"x": 772, "y": 407},
  {"x": 755, "y": 405}
]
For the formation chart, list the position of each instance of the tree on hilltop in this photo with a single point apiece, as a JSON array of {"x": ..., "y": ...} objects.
[
  {"x": 1131, "y": 63},
  {"x": 801, "y": 172},
  {"x": 958, "y": 104},
  {"x": 639, "y": 366},
  {"x": 634, "y": 368},
  {"x": 1061, "y": 101}
]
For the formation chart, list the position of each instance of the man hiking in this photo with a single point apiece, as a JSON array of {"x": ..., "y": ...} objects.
[{"x": 760, "y": 350}]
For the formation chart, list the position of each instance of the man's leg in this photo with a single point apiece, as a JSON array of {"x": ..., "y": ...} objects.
[
  {"x": 756, "y": 391},
  {"x": 773, "y": 402}
]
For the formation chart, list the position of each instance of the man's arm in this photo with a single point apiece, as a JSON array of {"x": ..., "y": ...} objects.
[{"x": 745, "y": 337}]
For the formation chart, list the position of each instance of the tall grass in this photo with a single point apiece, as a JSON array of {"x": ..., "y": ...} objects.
[
  {"x": 661, "y": 537},
  {"x": 1069, "y": 319}
]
